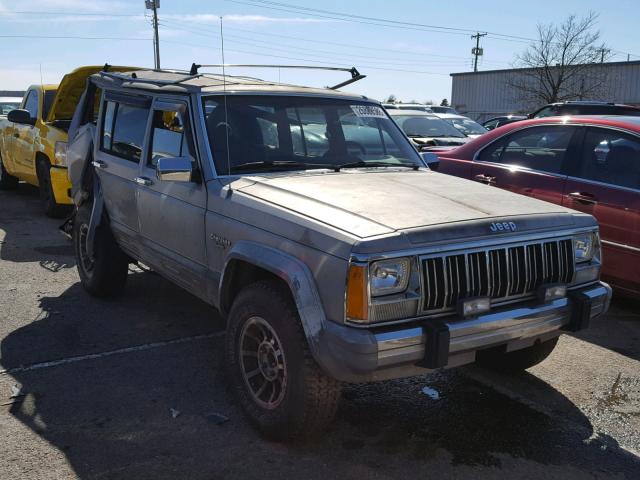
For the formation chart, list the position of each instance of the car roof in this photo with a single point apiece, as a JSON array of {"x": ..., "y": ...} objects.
[
  {"x": 589, "y": 103},
  {"x": 451, "y": 115},
  {"x": 406, "y": 111},
  {"x": 184, "y": 82},
  {"x": 628, "y": 122}
]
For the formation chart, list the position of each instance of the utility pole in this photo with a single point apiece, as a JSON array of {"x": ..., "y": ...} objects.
[
  {"x": 602, "y": 53},
  {"x": 155, "y": 5},
  {"x": 477, "y": 51}
]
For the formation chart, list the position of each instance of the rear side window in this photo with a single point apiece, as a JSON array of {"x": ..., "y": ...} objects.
[
  {"x": 610, "y": 157},
  {"x": 123, "y": 130},
  {"x": 538, "y": 148}
]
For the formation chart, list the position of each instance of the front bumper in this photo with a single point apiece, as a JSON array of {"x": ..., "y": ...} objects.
[
  {"x": 355, "y": 355},
  {"x": 60, "y": 185}
]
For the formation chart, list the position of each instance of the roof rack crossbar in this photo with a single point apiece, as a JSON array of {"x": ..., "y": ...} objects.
[{"x": 355, "y": 75}]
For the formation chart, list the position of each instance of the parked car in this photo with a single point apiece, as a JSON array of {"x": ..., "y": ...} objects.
[
  {"x": 426, "y": 130},
  {"x": 443, "y": 109},
  {"x": 470, "y": 128},
  {"x": 408, "y": 106},
  {"x": 585, "y": 108},
  {"x": 331, "y": 260},
  {"x": 590, "y": 164},
  {"x": 33, "y": 140},
  {"x": 496, "y": 122},
  {"x": 9, "y": 103}
]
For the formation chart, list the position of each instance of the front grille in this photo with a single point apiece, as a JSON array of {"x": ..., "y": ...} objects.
[{"x": 498, "y": 273}]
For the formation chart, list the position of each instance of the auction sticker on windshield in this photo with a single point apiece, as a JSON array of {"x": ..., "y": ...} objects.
[{"x": 368, "y": 111}]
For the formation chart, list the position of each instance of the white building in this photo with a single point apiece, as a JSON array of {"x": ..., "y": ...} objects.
[{"x": 486, "y": 94}]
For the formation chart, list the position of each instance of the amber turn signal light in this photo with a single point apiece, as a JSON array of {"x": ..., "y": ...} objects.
[{"x": 357, "y": 296}]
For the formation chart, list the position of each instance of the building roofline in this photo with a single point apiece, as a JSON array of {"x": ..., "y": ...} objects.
[{"x": 456, "y": 74}]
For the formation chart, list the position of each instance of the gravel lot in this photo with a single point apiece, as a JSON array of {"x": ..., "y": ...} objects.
[{"x": 134, "y": 388}]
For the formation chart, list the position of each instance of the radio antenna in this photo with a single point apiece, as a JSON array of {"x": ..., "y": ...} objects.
[{"x": 224, "y": 90}]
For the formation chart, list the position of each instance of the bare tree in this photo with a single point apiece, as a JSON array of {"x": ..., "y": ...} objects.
[
  {"x": 391, "y": 99},
  {"x": 559, "y": 65}
]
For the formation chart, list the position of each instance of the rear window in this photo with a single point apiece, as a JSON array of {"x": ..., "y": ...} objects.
[{"x": 123, "y": 129}]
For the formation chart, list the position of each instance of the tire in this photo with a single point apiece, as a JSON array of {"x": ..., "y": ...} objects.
[
  {"x": 51, "y": 208},
  {"x": 517, "y": 361},
  {"x": 7, "y": 181},
  {"x": 105, "y": 274},
  {"x": 304, "y": 399}
]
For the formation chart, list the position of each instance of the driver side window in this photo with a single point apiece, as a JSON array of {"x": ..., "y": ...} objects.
[{"x": 170, "y": 136}]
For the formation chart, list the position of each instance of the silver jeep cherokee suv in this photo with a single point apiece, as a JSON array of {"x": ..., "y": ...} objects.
[{"x": 310, "y": 221}]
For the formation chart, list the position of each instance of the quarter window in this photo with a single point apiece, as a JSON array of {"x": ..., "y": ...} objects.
[
  {"x": 123, "y": 130},
  {"x": 610, "y": 157},
  {"x": 538, "y": 148}
]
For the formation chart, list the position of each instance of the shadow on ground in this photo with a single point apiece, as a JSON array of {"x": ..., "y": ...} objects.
[
  {"x": 112, "y": 416},
  {"x": 29, "y": 235}
]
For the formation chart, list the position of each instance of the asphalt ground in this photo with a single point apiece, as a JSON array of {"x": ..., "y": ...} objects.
[{"x": 134, "y": 389}]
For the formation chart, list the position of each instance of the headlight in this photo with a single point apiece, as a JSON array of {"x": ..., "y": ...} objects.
[
  {"x": 389, "y": 276},
  {"x": 585, "y": 247},
  {"x": 61, "y": 153}
]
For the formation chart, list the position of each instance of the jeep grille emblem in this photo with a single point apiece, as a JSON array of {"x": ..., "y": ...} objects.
[{"x": 503, "y": 227}]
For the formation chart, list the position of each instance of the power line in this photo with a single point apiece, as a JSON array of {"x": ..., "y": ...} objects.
[{"x": 73, "y": 37}]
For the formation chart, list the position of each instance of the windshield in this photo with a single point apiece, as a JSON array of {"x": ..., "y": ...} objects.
[
  {"x": 467, "y": 126},
  {"x": 426, "y": 126},
  {"x": 271, "y": 133}
]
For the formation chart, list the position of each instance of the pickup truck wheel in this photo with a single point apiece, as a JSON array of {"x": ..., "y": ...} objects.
[
  {"x": 104, "y": 273},
  {"x": 518, "y": 360},
  {"x": 280, "y": 387},
  {"x": 7, "y": 181},
  {"x": 51, "y": 208}
]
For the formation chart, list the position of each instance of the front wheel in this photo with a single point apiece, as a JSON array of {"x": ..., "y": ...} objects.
[
  {"x": 516, "y": 361},
  {"x": 51, "y": 208},
  {"x": 103, "y": 273},
  {"x": 280, "y": 387}
]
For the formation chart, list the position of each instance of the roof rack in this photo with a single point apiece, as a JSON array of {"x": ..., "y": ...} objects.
[{"x": 355, "y": 75}]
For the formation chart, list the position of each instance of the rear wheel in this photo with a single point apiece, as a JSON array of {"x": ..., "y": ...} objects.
[
  {"x": 280, "y": 387},
  {"x": 103, "y": 273},
  {"x": 517, "y": 361},
  {"x": 7, "y": 181},
  {"x": 51, "y": 208}
]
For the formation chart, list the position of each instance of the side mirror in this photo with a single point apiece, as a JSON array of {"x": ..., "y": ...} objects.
[
  {"x": 431, "y": 159},
  {"x": 174, "y": 169},
  {"x": 21, "y": 116}
]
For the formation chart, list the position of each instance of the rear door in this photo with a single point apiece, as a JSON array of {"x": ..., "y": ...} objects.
[
  {"x": 530, "y": 161},
  {"x": 123, "y": 126},
  {"x": 172, "y": 213},
  {"x": 604, "y": 181}
]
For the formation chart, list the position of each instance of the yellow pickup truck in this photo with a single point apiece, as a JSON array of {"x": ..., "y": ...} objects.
[{"x": 33, "y": 139}]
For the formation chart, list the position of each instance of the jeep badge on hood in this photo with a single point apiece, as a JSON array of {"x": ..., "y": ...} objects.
[{"x": 503, "y": 227}]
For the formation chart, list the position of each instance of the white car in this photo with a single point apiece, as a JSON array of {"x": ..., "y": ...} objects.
[
  {"x": 9, "y": 103},
  {"x": 408, "y": 106},
  {"x": 426, "y": 130},
  {"x": 470, "y": 128}
]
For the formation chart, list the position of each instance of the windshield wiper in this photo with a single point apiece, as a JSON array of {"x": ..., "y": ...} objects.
[
  {"x": 363, "y": 164},
  {"x": 277, "y": 165}
]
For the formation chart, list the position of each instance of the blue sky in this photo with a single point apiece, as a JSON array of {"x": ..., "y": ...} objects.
[{"x": 413, "y": 64}]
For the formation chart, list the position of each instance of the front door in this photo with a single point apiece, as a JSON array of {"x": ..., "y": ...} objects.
[
  {"x": 172, "y": 213},
  {"x": 605, "y": 182},
  {"x": 117, "y": 158},
  {"x": 25, "y": 137},
  {"x": 530, "y": 161}
]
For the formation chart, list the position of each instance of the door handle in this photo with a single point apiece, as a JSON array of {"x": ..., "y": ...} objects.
[
  {"x": 583, "y": 197},
  {"x": 486, "y": 179},
  {"x": 143, "y": 181},
  {"x": 99, "y": 164}
]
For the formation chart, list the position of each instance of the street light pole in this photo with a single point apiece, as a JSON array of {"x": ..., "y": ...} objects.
[{"x": 155, "y": 5}]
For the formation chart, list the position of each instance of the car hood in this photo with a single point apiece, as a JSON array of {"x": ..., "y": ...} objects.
[
  {"x": 70, "y": 89},
  {"x": 370, "y": 202}
]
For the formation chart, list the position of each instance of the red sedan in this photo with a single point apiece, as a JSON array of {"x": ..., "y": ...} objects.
[{"x": 591, "y": 164}]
